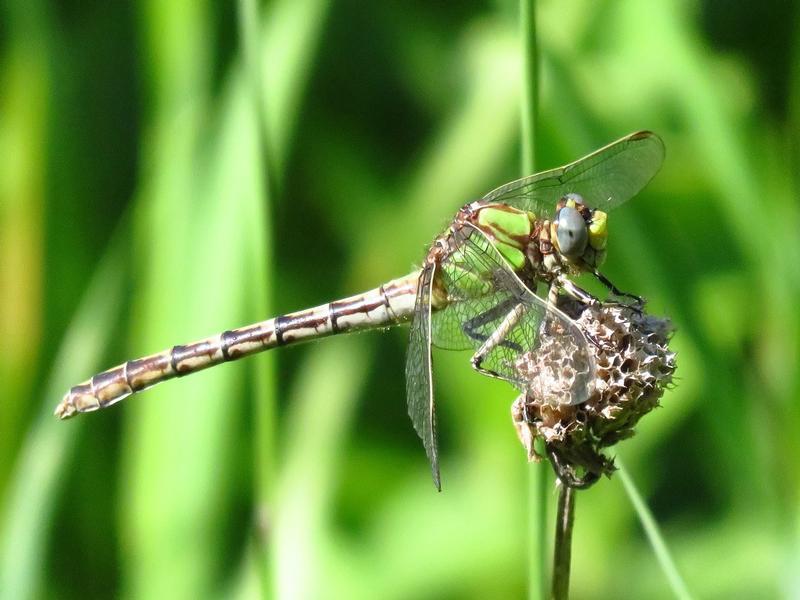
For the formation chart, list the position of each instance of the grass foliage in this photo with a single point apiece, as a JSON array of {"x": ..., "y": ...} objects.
[{"x": 171, "y": 169}]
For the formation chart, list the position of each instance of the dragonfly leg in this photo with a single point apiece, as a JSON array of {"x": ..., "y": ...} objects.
[
  {"x": 472, "y": 326},
  {"x": 566, "y": 473},
  {"x": 498, "y": 339},
  {"x": 638, "y": 301},
  {"x": 579, "y": 294},
  {"x": 573, "y": 291}
]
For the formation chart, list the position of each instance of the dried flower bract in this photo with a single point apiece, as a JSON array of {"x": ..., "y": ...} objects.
[{"x": 633, "y": 367}]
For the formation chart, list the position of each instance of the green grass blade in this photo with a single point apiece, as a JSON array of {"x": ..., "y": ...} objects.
[
  {"x": 530, "y": 85},
  {"x": 264, "y": 409},
  {"x": 181, "y": 439},
  {"x": 291, "y": 34},
  {"x": 321, "y": 415},
  {"x": 171, "y": 539},
  {"x": 228, "y": 196},
  {"x": 25, "y": 79},
  {"x": 654, "y": 536},
  {"x": 39, "y": 472}
]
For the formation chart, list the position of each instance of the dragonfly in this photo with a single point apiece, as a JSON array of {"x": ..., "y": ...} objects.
[{"x": 476, "y": 290}]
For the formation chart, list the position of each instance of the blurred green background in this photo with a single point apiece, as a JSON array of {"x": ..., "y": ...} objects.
[{"x": 172, "y": 169}]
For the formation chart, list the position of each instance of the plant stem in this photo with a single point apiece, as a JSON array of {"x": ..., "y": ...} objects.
[
  {"x": 530, "y": 84},
  {"x": 250, "y": 25},
  {"x": 538, "y": 480},
  {"x": 538, "y": 486},
  {"x": 537, "y": 531},
  {"x": 562, "y": 553},
  {"x": 264, "y": 409}
]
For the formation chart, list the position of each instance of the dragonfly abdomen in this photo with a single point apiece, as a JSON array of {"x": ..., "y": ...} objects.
[{"x": 389, "y": 304}]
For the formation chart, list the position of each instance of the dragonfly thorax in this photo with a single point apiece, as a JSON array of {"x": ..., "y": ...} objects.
[
  {"x": 510, "y": 229},
  {"x": 573, "y": 241}
]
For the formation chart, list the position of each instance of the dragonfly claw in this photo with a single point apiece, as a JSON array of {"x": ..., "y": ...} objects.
[
  {"x": 566, "y": 473},
  {"x": 637, "y": 306},
  {"x": 638, "y": 301}
]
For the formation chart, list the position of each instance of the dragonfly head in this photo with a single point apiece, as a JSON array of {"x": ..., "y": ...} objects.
[{"x": 579, "y": 233}]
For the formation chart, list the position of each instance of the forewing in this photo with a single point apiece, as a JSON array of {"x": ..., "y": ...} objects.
[
  {"x": 605, "y": 178},
  {"x": 419, "y": 379}
]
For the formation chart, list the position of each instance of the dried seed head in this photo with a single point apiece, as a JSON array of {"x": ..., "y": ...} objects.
[{"x": 633, "y": 367}]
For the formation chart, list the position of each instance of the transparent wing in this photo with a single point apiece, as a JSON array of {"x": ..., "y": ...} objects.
[
  {"x": 490, "y": 307},
  {"x": 419, "y": 380},
  {"x": 481, "y": 290},
  {"x": 605, "y": 178},
  {"x": 560, "y": 369}
]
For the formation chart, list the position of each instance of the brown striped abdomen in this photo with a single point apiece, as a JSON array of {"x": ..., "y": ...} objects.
[{"x": 389, "y": 304}]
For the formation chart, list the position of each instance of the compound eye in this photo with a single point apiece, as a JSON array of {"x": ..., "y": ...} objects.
[
  {"x": 572, "y": 232},
  {"x": 575, "y": 198}
]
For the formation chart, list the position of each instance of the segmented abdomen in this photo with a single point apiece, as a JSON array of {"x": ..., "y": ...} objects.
[{"x": 389, "y": 304}]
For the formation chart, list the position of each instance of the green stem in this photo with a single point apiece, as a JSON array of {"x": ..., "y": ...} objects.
[
  {"x": 249, "y": 32},
  {"x": 538, "y": 486},
  {"x": 538, "y": 480},
  {"x": 264, "y": 410},
  {"x": 562, "y": 553},
  {"x": 530, "y": 84},
  {"x": 538, "y": 483},
  {"x": 654, "y": 535}
]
